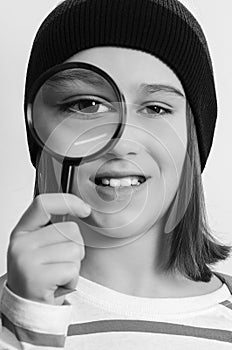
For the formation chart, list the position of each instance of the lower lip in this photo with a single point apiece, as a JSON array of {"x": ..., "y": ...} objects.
[{"x": 108, "y": 191}]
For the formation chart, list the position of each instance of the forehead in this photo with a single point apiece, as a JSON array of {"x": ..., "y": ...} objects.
[{"x": 129, "y": 68}]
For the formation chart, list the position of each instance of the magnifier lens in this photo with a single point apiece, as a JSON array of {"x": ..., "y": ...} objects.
[{"x": 76, "y": 112}]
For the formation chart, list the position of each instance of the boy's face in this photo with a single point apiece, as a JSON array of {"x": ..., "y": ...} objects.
[{"x": 153, "y": 144}]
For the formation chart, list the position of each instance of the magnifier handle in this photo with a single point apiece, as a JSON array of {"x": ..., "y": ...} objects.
[
  {"x": 66, "y": 182},
  {"x": 64, "y": 218},
  {"x": 66, "y": 187}
]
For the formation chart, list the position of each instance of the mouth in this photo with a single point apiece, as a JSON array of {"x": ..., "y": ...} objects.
[
  {"x": 116, "y": 181},
  {"x": 114, "y": 186}
]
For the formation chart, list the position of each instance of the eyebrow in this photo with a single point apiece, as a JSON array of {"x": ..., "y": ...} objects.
[
  {"x": 73, "y": 75},
  {"x": 148, "y": 89},
  {"x": 97, "y": 81}
]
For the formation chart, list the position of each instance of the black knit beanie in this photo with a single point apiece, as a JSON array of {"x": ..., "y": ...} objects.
[{"x": 163, "y": 28}]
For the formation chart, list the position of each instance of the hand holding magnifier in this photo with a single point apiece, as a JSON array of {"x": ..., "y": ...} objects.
[{"x": 76, "y": 114}]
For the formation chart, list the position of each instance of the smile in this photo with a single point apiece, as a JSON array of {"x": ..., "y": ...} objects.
[
  {"x": 119, "y": 187},
  {"x": 134, "y": 180}
]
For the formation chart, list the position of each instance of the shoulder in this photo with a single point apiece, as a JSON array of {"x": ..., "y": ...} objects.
[
  {"x": 225, "y": 278},
  {"x": 3, "y": 278}
]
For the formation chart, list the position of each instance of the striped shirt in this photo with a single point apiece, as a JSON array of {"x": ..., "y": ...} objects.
[{"x": 95, "y": 317}]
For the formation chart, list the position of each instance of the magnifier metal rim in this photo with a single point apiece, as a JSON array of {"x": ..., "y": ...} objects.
[{"x": 70, "y": 65}]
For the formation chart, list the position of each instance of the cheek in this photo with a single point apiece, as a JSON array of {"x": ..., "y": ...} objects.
[
  {"x": 167, "y": 143},
  {"x": 167, "y": 146}
]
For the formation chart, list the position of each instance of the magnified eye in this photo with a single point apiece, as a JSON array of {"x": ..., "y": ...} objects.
[{"x": 85, "y": 106}]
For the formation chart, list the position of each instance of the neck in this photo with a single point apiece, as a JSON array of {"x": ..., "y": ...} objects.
[{"x": 133, "y": 268}]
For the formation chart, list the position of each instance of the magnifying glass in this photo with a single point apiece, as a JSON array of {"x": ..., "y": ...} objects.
[{"x": 76, "y": 113}]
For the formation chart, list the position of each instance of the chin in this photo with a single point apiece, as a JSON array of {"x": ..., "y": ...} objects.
[{"x": 126, "y": 224}]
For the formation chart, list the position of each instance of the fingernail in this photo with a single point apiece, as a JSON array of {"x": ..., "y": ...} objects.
[{"x": 87, "y": 209}]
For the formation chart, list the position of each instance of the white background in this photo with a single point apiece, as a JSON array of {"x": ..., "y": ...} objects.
[{"x": 19, "y": 21}]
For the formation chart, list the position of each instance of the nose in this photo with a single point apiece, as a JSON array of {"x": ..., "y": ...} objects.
[{"x": 128, "y": 144}]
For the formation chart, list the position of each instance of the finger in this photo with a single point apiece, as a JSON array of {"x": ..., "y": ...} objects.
[
  {"x": 61, "y": 274},
  {"x": 43, "y": 206},
  {"x": 72, "y": 284},
  {"x": 61, "y": 252},
  {"x": 56, "y": 233},
  {"x": 61, "y": 291}
]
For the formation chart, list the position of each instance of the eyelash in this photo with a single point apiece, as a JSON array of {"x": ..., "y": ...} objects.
[
  {"x": 165, "y": 110},
  {"x": 67, "y": 106}
]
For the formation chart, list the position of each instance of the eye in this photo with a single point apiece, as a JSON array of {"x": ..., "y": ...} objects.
[
  {"x": 86, "y": 106},
  {"x": 157, "y": 110}
]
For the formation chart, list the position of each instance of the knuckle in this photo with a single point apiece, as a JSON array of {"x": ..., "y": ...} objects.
[
  {"x": 20, "y": 254},
  {"x": 38, "y": 201},
  {"x": 40, "y": 204},
  {"x": 15, "y": 233},
  {"x": 21, "y": 243},
  {"x": 14, "y": 247}
]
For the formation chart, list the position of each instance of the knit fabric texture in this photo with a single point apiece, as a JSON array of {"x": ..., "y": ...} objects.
[{"x": 163, "y": 28}]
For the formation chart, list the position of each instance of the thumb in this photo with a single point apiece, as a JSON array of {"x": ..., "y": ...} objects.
[
  {"x": 61, "y": 293},
  {"x": 71, "y": 285}
]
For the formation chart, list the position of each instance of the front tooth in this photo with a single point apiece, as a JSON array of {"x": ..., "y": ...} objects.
[
  {"x": 126, "y": 182},
  {"x": 115, "y": 182},
  {"x": 123, "y": 182}
]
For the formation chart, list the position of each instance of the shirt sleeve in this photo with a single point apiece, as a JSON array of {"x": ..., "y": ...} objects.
[{"x": 28, "y": 325}]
